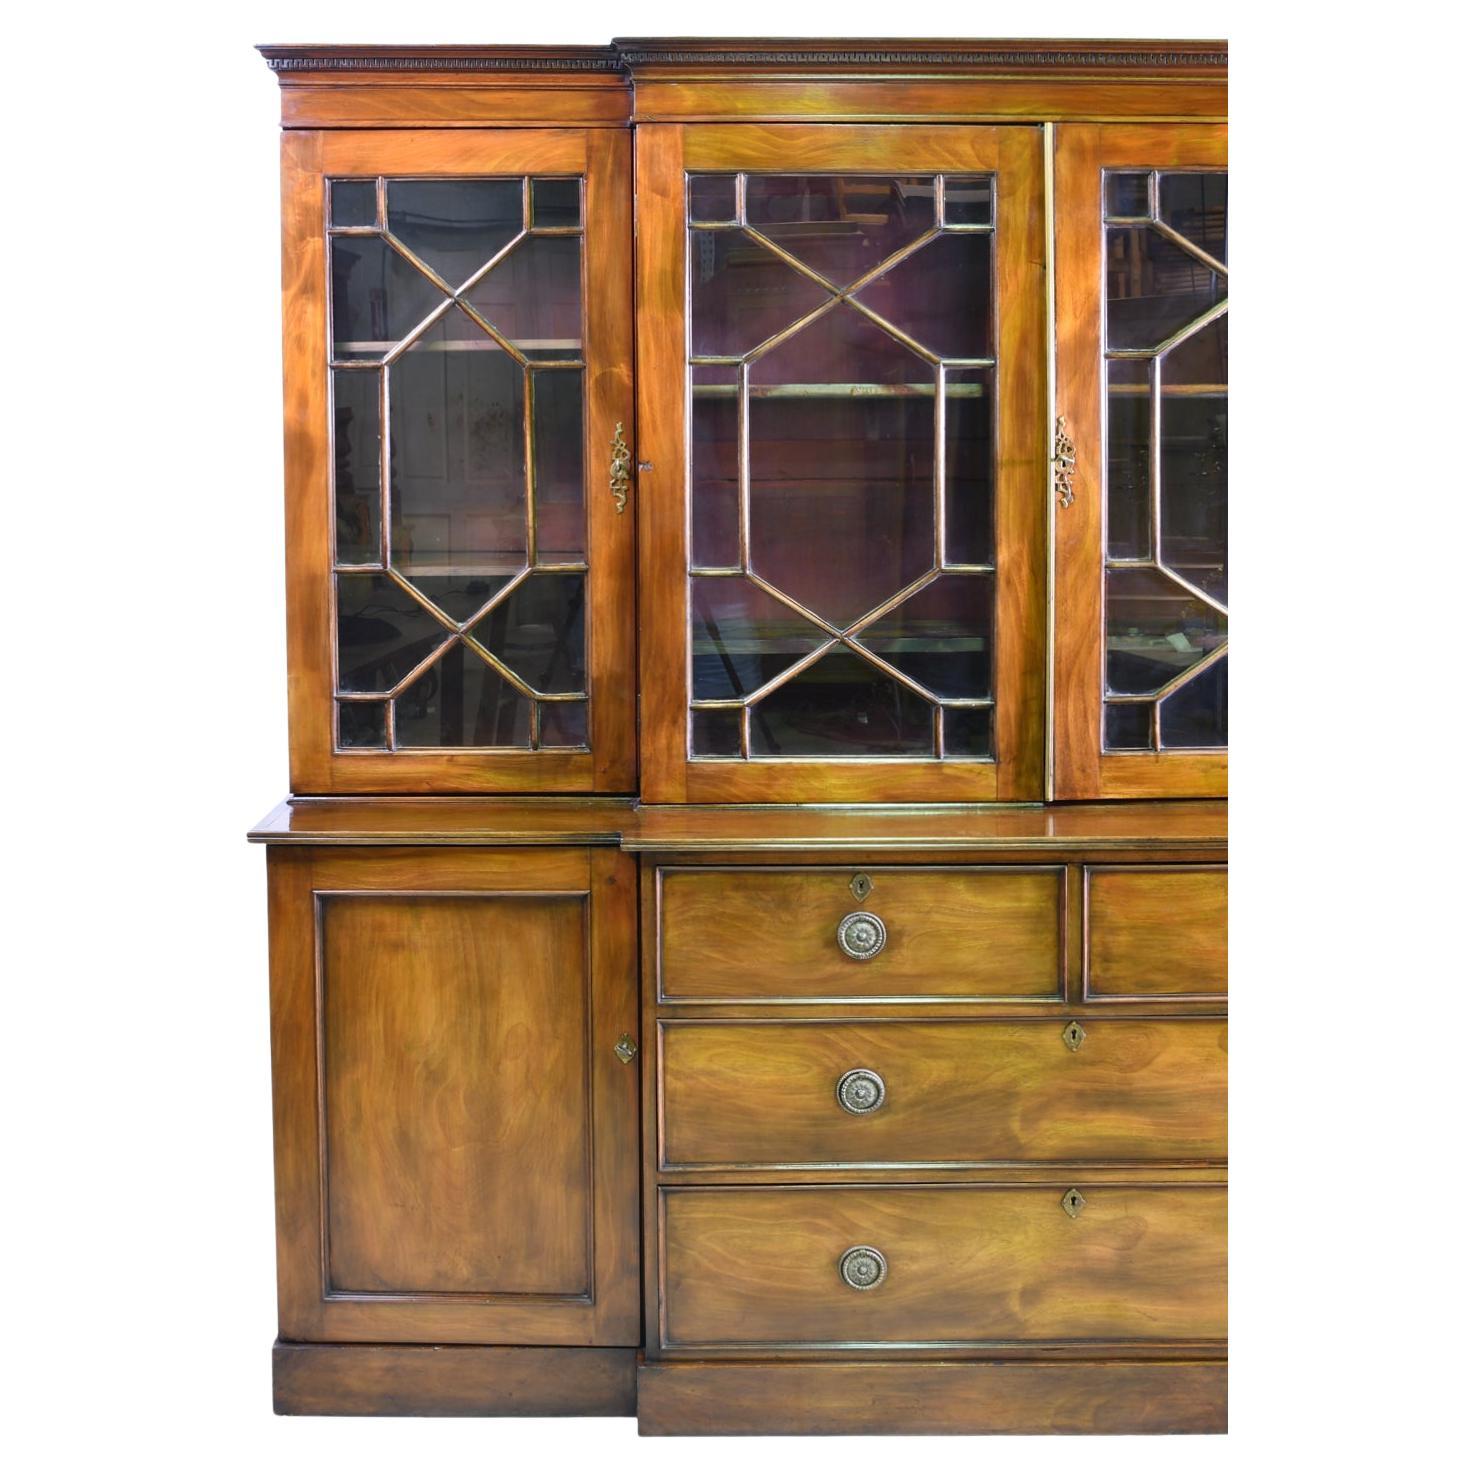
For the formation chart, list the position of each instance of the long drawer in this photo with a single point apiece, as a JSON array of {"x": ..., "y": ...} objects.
[
  {"x": 795, "y": 934},
  {"x": 962, "y": 1092},
  {"x": 967, "y": 1265}
]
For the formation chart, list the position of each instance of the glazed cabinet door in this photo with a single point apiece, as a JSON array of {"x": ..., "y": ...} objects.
[
  {"x": 1140, "y": 685},
  {"x": 843, "y": 439},
  {"x": 458, "y": 354},
  {"x": 456, "y": 1118}
]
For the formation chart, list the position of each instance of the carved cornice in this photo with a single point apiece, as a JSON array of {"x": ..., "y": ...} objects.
[{"x": 440, "y": 59}]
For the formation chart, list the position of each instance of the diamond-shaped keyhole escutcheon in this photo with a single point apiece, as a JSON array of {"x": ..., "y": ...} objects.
[
  {"x": 1073, "y": 1036},
  {"x": 1072, "y": 1201}
]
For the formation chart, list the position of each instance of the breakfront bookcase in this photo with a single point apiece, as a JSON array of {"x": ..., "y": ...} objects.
[{"x": 748, "y": 926}]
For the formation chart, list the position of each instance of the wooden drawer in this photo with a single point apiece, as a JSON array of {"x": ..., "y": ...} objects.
[
  {"x": 772, "y": 935},
  {"x": 1155, "y": 932},
  {"x": 750, "y": 1266},
  {"x": 766, "y": 1094}
]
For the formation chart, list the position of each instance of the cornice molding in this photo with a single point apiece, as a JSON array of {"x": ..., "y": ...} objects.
[{"x": 440, "y": 59}]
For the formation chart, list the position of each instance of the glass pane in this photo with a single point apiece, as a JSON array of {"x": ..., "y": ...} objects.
[
  {"x": 455, "y": 225},
  {"x": 1195, "y": 205},
  {"x": 378, "y": 298},
  {"x": 460, "y": 701},
  {"x": 556, "y": 203},
  {"x": 564, "y": 723},
  {"x": 969, "y": 500},
  {"x": 361, "y": 724},
  {"x": 714, "y": 486},
  {"x": 557, "y": 446},
  {"x": 716, "y": 733},
  {"x": 537, "y": 632},
  {"x": 841, "y": 227},
  {"x": 1194, "y": 460},
  {"x": 1153, "y": 287},
  {"x": 941, "y": 296},
  {"x": 1154, "y": 629},
  {"x": 1196, "y": 715},
  {"x": 354, "y": 202},
  {"x": 382, "y": 632},
  {"x": 1128, "y": 727},
  {"x": 941, "y": 637},
  {"x": 841, "y": 706},
  {"x": 457, "y": 464},
  {"x": 1128, "y": 196},
  {"x": 1128, "y": 444},
  {"x": 742, "y": 637},
  {"x": 355, "y": 472},
  {"x": 968, "y": 731},
  {"x": 461, "y": 596},
  {"x": 843, "y": 508},
  {"x": 712, "y": 197},
  {"x": 534, "y": 297},
  {"x": 969, "y": 201},
  {"x": 843, "y": 347},
  {"x": 741, "y": 293}
]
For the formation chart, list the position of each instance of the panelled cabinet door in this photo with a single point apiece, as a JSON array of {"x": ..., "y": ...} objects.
[
  {"x": 457, "y": 1128},
  {"x": 458, "y": 354},
  {"x": 1140, "y": 683},
  {"x": 842, "y": 404}
]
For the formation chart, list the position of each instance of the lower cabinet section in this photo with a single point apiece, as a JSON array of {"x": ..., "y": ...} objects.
[{"x": 947, "y": 1266}]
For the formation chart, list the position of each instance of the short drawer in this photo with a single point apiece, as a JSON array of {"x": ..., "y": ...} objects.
[
  {"x": 1155, "y": 932},
  {"x": 773, "y": 935},
  {"x": 962, "y": 1265},
  {"x": 940, "y": 1093}
]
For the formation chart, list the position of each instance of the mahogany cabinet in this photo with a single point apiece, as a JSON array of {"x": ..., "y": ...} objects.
[{"x": 751, "y": 509}]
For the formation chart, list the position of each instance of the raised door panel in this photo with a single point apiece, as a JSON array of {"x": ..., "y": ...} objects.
[
  {"x": 1141, "y": 576},
  {"x": 456, "y": 1137},
  {"x": 458, "y": 351},
  {"x": 842, "y": 375}
]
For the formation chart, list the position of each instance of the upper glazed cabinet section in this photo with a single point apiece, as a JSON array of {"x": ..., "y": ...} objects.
[{"x": 458, "y": 363}]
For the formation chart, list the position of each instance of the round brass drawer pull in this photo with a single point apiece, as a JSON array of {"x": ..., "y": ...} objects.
[
  {"x": 861, "y": 1091},
  {"x": 863, "y": 1268},
  {"x": 861, "y": 935}
]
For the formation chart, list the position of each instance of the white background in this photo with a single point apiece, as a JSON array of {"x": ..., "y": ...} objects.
[{"x": 144, "y": 724}]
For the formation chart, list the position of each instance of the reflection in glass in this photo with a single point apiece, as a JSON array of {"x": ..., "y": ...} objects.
[
  {"x": 842, "y": 706},
  {"x": 716, "y": 733},
  {"x": 841, "y": 227},
  {"x": 378, "y": 298},
  {"x": 383, "y": 633},
  {"x": 712, "y": 197},
  {"x": 467, "y": 632},
  {"x": 457, "y": 464},
  {"x": 968, "y": 731},
  {"x": 969, "y": 462},
  {"x": 455, "y": 225},
  {"x": 534, "y": 296},
  {"x": 354, "y": 202},
  {"x": 1154, "y": 630},
  {"x": 557, "y": 454},
  {"x": 941, "y": 637},
  {"x": 741, "y": 638},
  {"x": 355, "y": 473},
  {"x": 361, "y": 724},
  {"x": 842, "y": 498},
  {"x": 1166, "y": 571},
  {"x": 557, "y": 204},
  {"x": 537, "y": 632},
  {"x": 460, "y": 701},
  {"x": 814, "y": 464},
  {"x": 1196, "y": 715}
]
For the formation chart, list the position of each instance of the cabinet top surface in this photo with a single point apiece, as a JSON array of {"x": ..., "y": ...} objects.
[
  {"x": 634, "y": 54},
  {"x": 703, "y": 829}
]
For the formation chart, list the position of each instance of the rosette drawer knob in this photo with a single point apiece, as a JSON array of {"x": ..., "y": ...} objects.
[
  {"x": 861, "y": 935},
  {"x": 863, "y": 1268},
  {"x": 861, "y": 1091}
]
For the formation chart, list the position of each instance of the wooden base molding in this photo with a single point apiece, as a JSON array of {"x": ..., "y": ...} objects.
[
  {"x": 851, "y": 1397},
  {"x": 451, "y": 1381}
]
